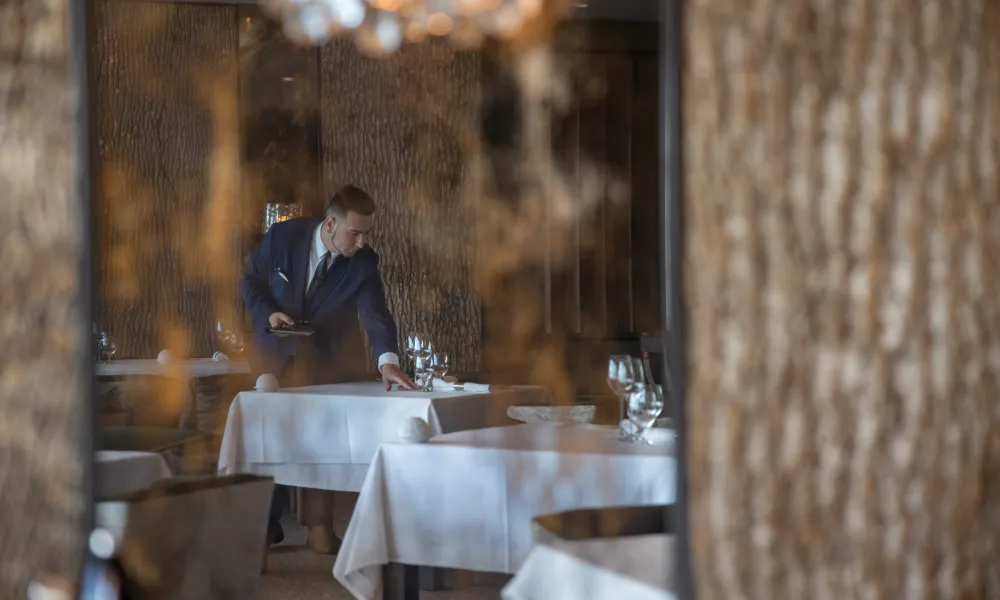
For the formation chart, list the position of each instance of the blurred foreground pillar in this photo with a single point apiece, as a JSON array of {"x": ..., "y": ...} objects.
[
  {"x": 41, "y": 388},
  {"x": 843, "y": 294}
]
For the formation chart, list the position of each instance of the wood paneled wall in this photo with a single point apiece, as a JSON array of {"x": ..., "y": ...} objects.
[
  {"x": 594, "y": 286},
  {"x": 405, "y": 128},
  {"x": 159, "y": 69}
]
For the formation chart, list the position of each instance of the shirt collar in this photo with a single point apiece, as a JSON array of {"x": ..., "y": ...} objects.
[{"x": 319, "y": 248}]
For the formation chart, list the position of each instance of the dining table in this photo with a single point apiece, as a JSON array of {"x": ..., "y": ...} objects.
[
  {"x": 202, "y": 405},
  {"x": 326, "y": 436},
  {"x": 466, "y": 500},
  {"x": 123, "y": 472}
]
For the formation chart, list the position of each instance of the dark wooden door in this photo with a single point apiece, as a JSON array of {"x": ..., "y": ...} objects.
[{"x": 596, "y": 284}]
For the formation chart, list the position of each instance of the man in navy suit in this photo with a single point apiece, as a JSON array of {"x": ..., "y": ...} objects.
[{"x": 322, "y": 272}]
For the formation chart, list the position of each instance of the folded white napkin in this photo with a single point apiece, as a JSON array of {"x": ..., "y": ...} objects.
[
  {"x": 414, "y": 430},
  {"x": 440, "y": 385},
  {"x": 220, "y": 356}
]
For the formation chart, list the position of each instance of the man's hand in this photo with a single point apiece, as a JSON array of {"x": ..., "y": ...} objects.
[
  {"x": 392, "y": 374},
  {"x": 279, "y": 317}
]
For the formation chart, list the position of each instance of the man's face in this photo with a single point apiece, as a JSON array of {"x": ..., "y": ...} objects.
[{"x": 347, "y": 235}]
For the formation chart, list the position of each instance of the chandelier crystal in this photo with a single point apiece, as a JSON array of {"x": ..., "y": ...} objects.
[{"x": 382, "y": 26}]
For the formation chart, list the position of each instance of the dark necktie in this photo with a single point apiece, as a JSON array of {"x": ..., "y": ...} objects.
[{"x": 318, "y": 278}]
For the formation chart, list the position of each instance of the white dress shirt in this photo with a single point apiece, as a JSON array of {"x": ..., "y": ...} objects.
[{"x": 319, "y": 251}]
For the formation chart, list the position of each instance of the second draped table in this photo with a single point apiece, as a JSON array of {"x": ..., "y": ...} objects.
[
  {"x": 466, "y": 500},
  {"x": 325, "y": 436}
]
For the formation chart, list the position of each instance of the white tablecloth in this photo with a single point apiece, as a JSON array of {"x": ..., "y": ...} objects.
[
  {"x": 635, "y": 567},
  {"x": 325, "y": 436},
  {"x": 123, "y": 472},
  {"x": 466, "y": 500},
  {"x": 183, "y": 369}
]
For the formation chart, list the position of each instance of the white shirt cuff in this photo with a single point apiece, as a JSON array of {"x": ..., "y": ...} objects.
[{"x": 389, "y": 358}]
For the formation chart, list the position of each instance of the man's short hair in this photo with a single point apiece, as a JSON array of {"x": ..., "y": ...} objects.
[{"x": 350, "y": 199}]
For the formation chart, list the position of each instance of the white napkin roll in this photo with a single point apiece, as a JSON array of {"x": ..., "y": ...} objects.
[
  {"x": 440, "y": 385},
  {"x": 414, "y": 430},
  {"x": 220, "y": 356},
  {"x": 266, "y": 383}
]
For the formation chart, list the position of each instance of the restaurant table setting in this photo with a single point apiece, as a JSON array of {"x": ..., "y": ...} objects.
[
  {"x": 123, "y": 472},
  {"x": 325, "y": 436},
  {"x": 200, "y": 407},
  {"x": 466, "y": 500}
]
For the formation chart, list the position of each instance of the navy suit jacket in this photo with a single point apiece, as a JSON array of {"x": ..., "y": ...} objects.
[{"x": 352, "y": 287}]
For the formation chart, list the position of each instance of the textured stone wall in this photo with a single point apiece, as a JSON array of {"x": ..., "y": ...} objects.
[
  {"x": 41, "y": 399},
  {"x": 841, "y": 283},
  {"x": 165, "y": 89},
  {"x": 405, "y": 128}
]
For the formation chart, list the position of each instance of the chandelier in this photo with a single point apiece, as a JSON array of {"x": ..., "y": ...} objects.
[{"x": 382, "y": 26}]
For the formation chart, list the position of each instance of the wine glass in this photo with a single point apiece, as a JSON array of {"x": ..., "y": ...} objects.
[
  {"x": 223, "y": 336},
  {"x": 417, "y": 345},
  {"x": 106, "y": 348},
  {"x": 645, "y": 403},
  {"x": 419, "y": 350},
  {"x": 623, "y": 372},
  {"x": 440, "y": 363},
  {"x": 424, "y": 348},
  {"x": 236, "y": 344},
  {"x": 618, "y": 374}
]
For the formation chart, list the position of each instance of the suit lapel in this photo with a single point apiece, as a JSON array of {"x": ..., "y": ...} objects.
[
  {"x": 300, "y": 267},
  {"x": 334, "y": 277}
]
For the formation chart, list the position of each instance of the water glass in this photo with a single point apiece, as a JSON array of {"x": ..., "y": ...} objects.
[
  {"x": 423, "y": 374},
  {"x": 645, "y": 403},
  {"x": 418, "y": 346}
]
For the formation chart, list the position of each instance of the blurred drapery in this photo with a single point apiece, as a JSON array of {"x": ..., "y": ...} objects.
[
  {"x": 841, "y": 227},
  {"x": 42, "y": 390}
]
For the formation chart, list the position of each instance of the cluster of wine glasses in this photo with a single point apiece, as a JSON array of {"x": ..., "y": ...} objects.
[
  {"x": 639, "y": 398},
  {"x": 104, "y": 347},
  {"x": 428, "y": 363},
  {"x": 231, "y": 343}
]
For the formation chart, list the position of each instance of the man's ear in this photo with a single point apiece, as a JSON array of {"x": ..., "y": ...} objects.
[{"x": 330, "y": 224}]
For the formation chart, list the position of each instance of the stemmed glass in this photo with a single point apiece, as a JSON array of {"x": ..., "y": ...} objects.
[
  {"x": 230, "y": 342},
  {"x": 624, "y": 372},
  {"x": 419, "y": 350},
  {"x": 106, "y": 348},
  {"x": 440, "y": 363},
  {"x": 645, "y": 403}
]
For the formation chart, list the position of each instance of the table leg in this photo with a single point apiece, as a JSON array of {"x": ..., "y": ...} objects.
[
  {"x": 400, "y": 582},
  {"x": 434, "y": 579},
  {"x": 207, "y": 392}
]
